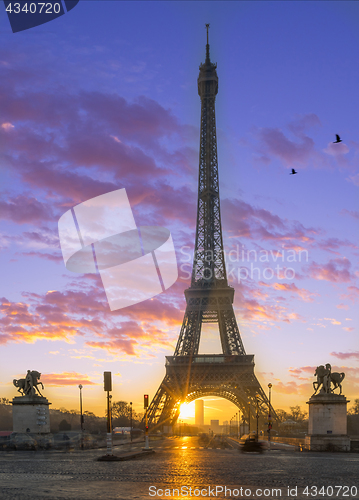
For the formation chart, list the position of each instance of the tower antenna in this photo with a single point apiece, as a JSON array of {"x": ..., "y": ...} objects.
[{"x": 207, "y": 46}]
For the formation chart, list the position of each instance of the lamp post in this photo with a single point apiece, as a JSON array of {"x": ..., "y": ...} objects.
[
  {"x": 131, "y": 421},
  {"x": 257, "y": 415},
  {"x": 249, "y": 418},
  {"x": 81, "y": 417},
  {"x": 269, "y": 415},
  {"x": 236, "y": 430}
]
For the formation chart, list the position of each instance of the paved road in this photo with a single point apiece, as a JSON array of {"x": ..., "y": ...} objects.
[{"x": 178, "y": 462}]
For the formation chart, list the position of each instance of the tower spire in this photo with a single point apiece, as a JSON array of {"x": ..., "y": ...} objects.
[{"x": 207, "y": 46}]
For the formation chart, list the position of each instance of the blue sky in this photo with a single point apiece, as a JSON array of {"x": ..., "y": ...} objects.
[{"x": 288, "y": 78}]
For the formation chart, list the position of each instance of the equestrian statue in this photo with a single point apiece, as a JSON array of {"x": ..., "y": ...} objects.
[
  {"x": 325, "y": 379},
  {"x": 29, "y": 385}
]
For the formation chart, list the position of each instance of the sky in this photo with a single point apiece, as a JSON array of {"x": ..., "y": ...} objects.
[{"x": 104, "y": 98}]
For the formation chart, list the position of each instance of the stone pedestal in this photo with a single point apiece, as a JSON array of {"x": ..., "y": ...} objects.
[
  {"x": 30, "y": 414},
  {"x": 327, "y": 429}
]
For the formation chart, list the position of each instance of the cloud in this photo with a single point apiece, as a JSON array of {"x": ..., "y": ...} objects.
[
  {"x": 292, "y": 288},
  {"x": 65, "y": 379},
  {"x": 336, "y": 270},
  {"x": 260, "y": 224},
  {"x": 82, "y": 312},
  {"x": 333, "y": 244},
  {"x": 352, "y": 295},
  {"x": 346, "y": 355},
  {"x": 293, "y": 388},
  {"x": 272, "y": 144},
  {"x": 301, "y": 123},
  {"x": 342, "y": 306},
  {"x": 7, "y": 126},
  {"x": 354, "y": 179},
  {"x": 24, "y": 209},
  {"x": 336, "y": 149},
  {"x": 351, "y": 213},
  {"x": 47, "y": 256},
  {"x": 333, "y": 321}
]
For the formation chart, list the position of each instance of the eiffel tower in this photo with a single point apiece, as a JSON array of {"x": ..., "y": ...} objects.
[{"x": 229, "y": 375}]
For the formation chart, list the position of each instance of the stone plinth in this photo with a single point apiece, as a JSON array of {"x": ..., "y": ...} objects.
[
  {"x": 30, "y": 414},
  {"x": 327, "y": 429}
]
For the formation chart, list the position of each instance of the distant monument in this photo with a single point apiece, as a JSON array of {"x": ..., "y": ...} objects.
[
  {"x": 327, "y": 413},
  {"x": 30, "y": 410}
]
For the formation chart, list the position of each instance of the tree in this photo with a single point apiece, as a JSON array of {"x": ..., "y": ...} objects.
[
  {"x": 297, "y": 414},
  {"x": 121, "y": 415},
  {"x": 282, "y": 415},
  {"x": 354, "y": 410},
  {"x": 5, "y": 415},
  {"x": 64, "y": 426}
]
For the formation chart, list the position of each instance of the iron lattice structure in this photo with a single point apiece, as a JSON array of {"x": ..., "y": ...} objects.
[{"x": 209, "y": 299}]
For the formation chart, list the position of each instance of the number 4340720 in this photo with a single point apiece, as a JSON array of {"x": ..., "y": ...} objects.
[{"x": 33, "y": 8}]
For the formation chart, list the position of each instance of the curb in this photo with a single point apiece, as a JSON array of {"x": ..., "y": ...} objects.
[{"x": 125, "y": 456}]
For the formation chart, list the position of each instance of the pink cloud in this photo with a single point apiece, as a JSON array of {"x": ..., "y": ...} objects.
[
  {"x": 47, "y": 256},
  {"x": 346, "y": 355},
  {"x": 23, "y": 210},
  {"x": 273, "y": 144},
  {"x": 260, "y": 224},
  {"x": 333, "y": 244},
  {"x": 342, "y": 306},
  {"x": 336, "y": 270},
  {"x": 65, "y": 379},
  {"x": 293, "y": 388},
  {"x": 351, "y": 213},
  {"x": 352, "y": 295},
  {"x": 82, "y": 311},
  {"x": 292, "y": 288}
]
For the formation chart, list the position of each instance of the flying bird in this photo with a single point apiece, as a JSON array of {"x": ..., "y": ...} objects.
[
  {"x": 338, "y": 139},
  {"x": 293, "y": 172}
]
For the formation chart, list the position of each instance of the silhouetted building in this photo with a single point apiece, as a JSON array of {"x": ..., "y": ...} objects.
[
  {"x": 199, "y": 412},
  {"x": 215, "y": 426}
]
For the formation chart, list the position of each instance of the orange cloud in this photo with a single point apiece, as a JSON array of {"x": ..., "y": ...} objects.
[
  {"x": 65, "y": 378},
  {"x": 292, "y": 288}
]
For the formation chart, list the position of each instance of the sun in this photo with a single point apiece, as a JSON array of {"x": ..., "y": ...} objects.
[{"x": 187, "y": 411}]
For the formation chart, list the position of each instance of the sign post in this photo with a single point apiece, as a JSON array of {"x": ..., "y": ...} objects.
[
  {"x": 269, "y": 416},
  {"x": 145, "y": 405}
]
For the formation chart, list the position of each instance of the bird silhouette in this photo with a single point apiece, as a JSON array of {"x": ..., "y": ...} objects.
[
  {"x": 293, "y": 172},
  {"x": 338, "y": 139}
]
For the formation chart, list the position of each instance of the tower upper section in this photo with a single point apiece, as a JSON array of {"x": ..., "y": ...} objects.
[
  {"x": 208, "y": 264},
  {"x": 208, "y": 79}
]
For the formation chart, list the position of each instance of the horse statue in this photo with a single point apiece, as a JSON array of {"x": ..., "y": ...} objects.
[
  {"x": 326, "y": 378},
  {"x": 337, "y": 379},
  {"x": 26, "y": 386},
  {"x": 323, "y": 378}
]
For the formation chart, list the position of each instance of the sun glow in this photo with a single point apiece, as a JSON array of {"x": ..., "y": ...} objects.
[{"x": 187, "y": 411}]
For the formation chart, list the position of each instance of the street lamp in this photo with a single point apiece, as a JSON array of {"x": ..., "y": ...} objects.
[
  {"x": 81, "y": 417},
  {"x": 257, "y": 415},
  {"x": 131, "y": 421},
  {"x": 269, "y": 415}
]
